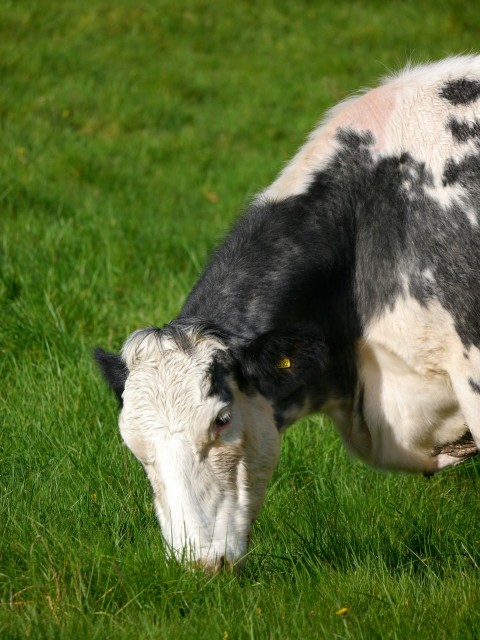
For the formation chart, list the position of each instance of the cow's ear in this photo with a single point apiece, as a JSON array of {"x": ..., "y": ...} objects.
[
  {"x": 114, "y": 370},
  {"x": 280, "y": 362}
]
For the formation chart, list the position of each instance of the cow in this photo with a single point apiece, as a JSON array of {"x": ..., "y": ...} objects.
[{"x": 350, "y": 286}]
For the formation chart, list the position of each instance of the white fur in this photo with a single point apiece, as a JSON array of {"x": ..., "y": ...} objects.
[
  {"x": 409, "y": 365},
  {"x": 208, "y": 486}
]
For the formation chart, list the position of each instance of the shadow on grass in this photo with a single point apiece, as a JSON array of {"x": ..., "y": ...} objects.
[{"x": 425, "y": 529}]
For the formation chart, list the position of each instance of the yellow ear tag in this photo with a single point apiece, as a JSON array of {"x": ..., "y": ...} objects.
[{"x": 284, "y": 363}]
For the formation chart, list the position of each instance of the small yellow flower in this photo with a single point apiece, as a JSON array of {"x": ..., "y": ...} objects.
[
  {"x": 21, "y": 151},
  {"x": 342, "y": 612},
  {"x": 211, "y": 196},
  {"x": 258, "y": 611},
  {"x": 225, "y": 635}
]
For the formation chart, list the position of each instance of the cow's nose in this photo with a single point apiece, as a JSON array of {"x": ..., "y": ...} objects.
[{"x": 220, "y": 564}]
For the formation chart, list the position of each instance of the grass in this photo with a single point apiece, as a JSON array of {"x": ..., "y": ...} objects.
[{"x": 132, "y": 135}]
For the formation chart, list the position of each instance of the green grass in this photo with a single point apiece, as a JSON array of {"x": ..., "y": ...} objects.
[{"x": 132, "y": 134}]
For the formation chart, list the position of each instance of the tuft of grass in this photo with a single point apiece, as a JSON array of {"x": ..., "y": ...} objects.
[{"x": 132, "y": 135}]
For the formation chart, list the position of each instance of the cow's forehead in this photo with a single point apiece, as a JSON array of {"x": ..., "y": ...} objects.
[
  {"x": 156, "y": 346},
  {"x": 174, "y": 386}
]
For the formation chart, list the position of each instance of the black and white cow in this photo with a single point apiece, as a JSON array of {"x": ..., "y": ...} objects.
[{"x": 350, "y": 286}]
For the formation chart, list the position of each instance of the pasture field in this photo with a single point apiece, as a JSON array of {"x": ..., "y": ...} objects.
[{"x": 132, "y": 134}]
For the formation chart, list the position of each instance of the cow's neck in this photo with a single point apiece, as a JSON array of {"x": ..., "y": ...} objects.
[{"x": 286, "y": 264}]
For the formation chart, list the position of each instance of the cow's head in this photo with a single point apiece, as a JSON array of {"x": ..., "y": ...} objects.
[{"x": 204, "y": 420}]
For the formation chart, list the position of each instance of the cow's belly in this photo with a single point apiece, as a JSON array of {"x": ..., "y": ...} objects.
[{"x": 407, "y": 408}]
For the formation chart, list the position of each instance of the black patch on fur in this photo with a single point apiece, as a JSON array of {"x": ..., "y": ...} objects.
[
  {"x": 464, "y": 131},
  {"x": 219, "y": 373},
  {"x": 461, "y": 91},
  {"x": 451, "y": 173},
  {"x": 475, "y": 386},
  {"x": 114, "y": 371}
]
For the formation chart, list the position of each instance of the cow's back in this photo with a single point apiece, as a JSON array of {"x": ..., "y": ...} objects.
[{"x": 421, "y": 109}]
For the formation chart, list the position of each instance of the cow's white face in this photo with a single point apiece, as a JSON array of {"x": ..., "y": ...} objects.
[{"x": 208, "y": 449}]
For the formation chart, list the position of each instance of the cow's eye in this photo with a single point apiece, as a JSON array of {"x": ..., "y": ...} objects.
[{"x": 223, "y": 420}]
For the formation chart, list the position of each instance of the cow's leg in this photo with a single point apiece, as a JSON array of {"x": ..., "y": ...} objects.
[{"x": 465, "y": 379}]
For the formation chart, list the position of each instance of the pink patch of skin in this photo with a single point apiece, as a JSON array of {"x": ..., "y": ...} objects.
[{"x": 371, "y": 112}]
